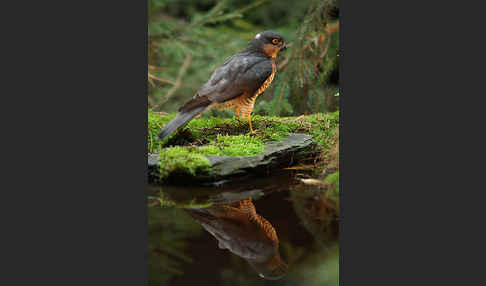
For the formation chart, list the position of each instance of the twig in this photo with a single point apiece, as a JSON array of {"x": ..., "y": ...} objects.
[
  {"x": 151, "y": 67},
  {"x": 282, "y": 65},
  {"x": 151, "y": 76},
  {"x": 250, "y": 6},
  {"x": 321, "y": 55},
  {"x": 151, "y": 82},
  {"x": 327, "y": 35},
  {"x": 281, "y": 94},
  {"x": 299, "y": 118},
  {"x": 158, "y": 125},
  {"x": 177, "y": 83},
  {"x": 312, "y": 181},
  {"x": 150, "y": 101}
]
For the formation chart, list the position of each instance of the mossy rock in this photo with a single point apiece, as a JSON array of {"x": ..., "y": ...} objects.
[
  {"x": 200, "y": 167},
  {"x": 211, "y": 148}
]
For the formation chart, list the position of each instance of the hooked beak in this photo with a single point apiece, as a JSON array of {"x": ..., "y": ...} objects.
[{"x": 284, "y": 47}]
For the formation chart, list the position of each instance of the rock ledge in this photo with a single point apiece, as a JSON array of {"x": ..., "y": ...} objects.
[{"x": 276, "y": 155}]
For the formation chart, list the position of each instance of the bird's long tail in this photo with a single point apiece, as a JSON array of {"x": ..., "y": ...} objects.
[{"x": 179, "y": 121}]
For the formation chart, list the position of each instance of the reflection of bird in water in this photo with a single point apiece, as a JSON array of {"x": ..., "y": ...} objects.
[{"x": 238, "y": 228}]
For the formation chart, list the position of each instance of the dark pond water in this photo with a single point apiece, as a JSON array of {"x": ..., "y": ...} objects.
[{"x": 274, "y": 230}]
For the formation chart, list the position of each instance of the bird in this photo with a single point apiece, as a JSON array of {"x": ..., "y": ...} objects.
[
  {"x": 238, "y": 228},
  {"x": 236, "y": 83}
]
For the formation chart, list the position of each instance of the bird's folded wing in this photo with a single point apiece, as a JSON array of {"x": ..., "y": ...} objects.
[{"x": 240, "y": 74}]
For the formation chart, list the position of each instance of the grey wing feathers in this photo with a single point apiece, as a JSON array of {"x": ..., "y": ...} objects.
[{"x": 240, "y": 74}]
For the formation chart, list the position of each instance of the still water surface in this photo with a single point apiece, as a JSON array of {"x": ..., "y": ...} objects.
[{"x": 251, "y": 231}]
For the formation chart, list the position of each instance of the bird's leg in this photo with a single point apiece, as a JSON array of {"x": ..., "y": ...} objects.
[
  {"x": 252, "y": 132},
  {"x": 238, "y": 114}
]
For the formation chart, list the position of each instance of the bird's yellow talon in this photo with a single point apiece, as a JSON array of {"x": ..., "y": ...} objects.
[
  {"x": 252, "y": 132},
  {"x": 237, "y": 111}
]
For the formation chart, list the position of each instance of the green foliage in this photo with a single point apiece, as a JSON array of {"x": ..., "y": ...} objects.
[
  {"x": 279, "y": 103},
  {"x": 188, "y": 40},
  {"x": 311, "y": 59},
  {"x": 173, "y": 42}
]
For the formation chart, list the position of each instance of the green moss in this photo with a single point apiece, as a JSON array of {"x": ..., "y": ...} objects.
[
  {"x": 155, "y": 123},
  {"x": 274, "y": 128},
  {"x": 210, "y": 150},
  {"x": 240, "y": 145},
  {"x": 184, "y": 151},
  {"x": 191, "y": 159},
  {"x": 204, "y": 126},
  {"x": 325, "y": 128},
  {"x": 178, "y": 159},
  {"x": 321, "y": 126}
]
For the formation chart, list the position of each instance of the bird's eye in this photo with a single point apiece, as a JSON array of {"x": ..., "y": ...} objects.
[{"x": 275, "y": 41}]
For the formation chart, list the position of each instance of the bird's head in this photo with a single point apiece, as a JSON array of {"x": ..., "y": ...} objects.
[
  {"x": 272, "y": 269},
  {"x": 268, "y": 42}
]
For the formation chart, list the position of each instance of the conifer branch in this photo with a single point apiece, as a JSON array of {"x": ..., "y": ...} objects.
[
  {"x": 177, "y": 83},
  {"x": 208, "y": 19}
]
